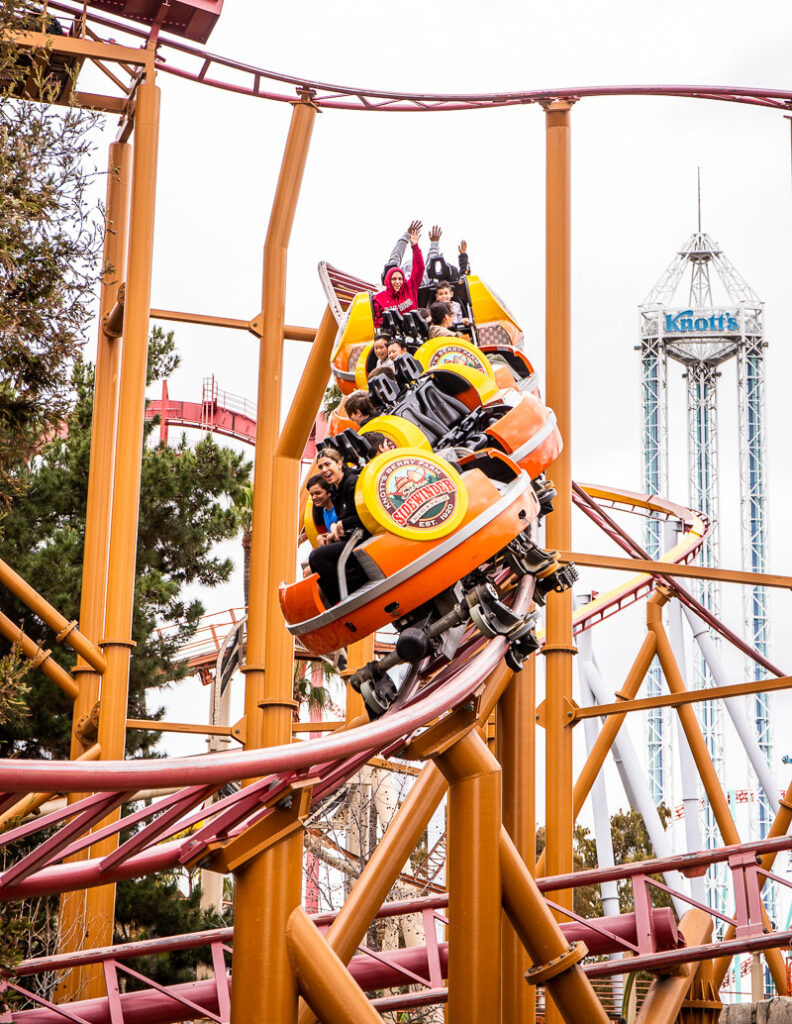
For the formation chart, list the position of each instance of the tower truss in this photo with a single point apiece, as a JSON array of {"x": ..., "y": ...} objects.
[{"x": 723, "y": 319}]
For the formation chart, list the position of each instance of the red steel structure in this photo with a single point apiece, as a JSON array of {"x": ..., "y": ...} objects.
[{"x": 285, "y": 968}]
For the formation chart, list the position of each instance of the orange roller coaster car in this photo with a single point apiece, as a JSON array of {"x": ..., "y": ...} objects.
[
  {"x": 491, "y": 329},
  {"x": 449, "y": 511}
]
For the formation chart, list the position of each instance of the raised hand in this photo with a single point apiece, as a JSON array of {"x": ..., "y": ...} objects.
[
  {"x": 415, "y": 233},
  {"x": 435, "y": 233},
  {"x": 415, "y": 225},
  {"x": 463, "y": 246}
]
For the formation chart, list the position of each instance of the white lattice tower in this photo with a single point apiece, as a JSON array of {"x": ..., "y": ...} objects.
[{"x": 710, "y": 331}]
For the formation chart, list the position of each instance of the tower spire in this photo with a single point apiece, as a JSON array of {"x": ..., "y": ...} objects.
[{"x": 698, "y": 174}]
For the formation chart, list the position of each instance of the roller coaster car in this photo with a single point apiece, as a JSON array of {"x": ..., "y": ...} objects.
[
  {"x": 442, "y": 536},
  {"x": 492, "y": 328},
  {"x": 457, "y": 405},
  {"x": 432, "y": 525}
]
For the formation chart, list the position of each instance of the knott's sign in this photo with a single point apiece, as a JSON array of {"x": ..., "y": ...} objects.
[{"x": 693, "y": 321}]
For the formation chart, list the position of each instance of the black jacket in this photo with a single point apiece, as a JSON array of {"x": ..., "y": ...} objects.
[{"x": 344, "y": 502}]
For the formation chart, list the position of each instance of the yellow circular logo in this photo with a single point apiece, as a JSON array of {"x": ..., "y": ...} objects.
[
  {"x": 454, "y": 353},
  {"x": 398, "y": 432},
  {"x": 412, "y": 493},
  {"x": 450, "y": 352}
]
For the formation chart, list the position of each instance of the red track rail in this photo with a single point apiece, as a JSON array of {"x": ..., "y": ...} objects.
[
  {"x": 200, "y": 66},
  {"x": 649, "y": 935}
]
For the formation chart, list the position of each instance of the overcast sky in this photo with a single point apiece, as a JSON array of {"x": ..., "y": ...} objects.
[{"x": 480, "y": 174}]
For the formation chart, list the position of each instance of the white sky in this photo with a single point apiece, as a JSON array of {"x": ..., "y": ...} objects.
[{"x": 480, "y": 174}]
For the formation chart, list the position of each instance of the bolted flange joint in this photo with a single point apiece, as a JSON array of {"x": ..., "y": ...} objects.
[{"x": 543, "y": 973}]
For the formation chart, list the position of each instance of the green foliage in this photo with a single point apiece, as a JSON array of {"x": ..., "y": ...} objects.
[
  {"x": 630, "y": 843},
  {"x": 332, "y": 398},
  {"x": 185, "y": 509},
  {"x": 303, "y": 690},
  {"x": 149, "y": 908},
  {"x": 587, "y": 900},
  {"x": 243, "y": 508},
  {"x": 50, "y": 246},
  {"x": 14, "y": 666}
]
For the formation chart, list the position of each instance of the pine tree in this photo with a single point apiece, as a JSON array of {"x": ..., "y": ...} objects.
[
  {"x": 50, "y": 241},
  {"x": 185, "y": 509}
]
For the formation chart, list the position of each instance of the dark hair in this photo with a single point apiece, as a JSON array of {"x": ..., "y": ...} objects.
[
  {"x": 358, "y": 403},
  {"x": 380, "y": 335},
  {"x": 439, "y": 311},
  {"x": 382, "y": 371},
  {"x": 317, "y": 479},
  {"x": 375, "y": 437},
  {"x": 400, "y": 342},
  {"x": 444, "y": 284}
]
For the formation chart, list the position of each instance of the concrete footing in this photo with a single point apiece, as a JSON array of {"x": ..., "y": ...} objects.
[{"x": 773, "y": 1011}]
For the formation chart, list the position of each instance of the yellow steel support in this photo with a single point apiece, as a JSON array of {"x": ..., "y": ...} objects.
[
  {"x": 269, "y": 889},
  {"x": 515, "y": 748},
  {"x": 556, "y": 963},
  {"x": 39, "y": 656},
  {"x": 66, "y": 632},
  {"x": 559, "y": 650},
  {"x": 325, "y": 983},
  {"x": 693, "y": 572},
  {"x": 359, "y": 654},
  {"x": 706, "y": 770},
  {"x": 117, "y": 639},
  {"x": 368, "y": 893},
  {"x": 473, "y": 879}
]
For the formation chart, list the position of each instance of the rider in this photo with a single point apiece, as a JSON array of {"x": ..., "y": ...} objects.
[
  {"x": 358, "y": 407},
  {"x": 324, "y": 560},
  {"x": 434, "y": 254},
  {"x": 401, "y": 292},
  {"x": 324, "y": 515}
]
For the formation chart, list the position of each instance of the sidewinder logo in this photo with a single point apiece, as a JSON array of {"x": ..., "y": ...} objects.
[
  {"x": 416, "y": 493},
  {"x": 456, "y": 354}
]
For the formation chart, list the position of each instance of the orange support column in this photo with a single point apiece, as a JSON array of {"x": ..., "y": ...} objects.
[
  {"x": 72, "y": 916},
  {"x": 268, "y": 889},
  {"x": 608, "y": 733},
  {"x": 559, "y": 650},
  {"x": 708, "y": 775},
  {"x": 117, "y": 640},
  {"x": 326, "y": 984},
  {"x": 359, "y": 654},
  {"x": 103, "y": 431},
  {"x": 267, "y": 721},
  {"x": 556, "y": 964},
  {"x": 474, "y": 882},
  {"x": 515, "y": 748}
]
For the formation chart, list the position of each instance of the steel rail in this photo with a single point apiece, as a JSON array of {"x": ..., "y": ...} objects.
[
  {"x": 346, "y": 97},
  {"x": 659, "y": 958},
  {"x": 64, "y": 776},
  {"x": 609, "y": 603},
  {"x": 595, "y": 512}
]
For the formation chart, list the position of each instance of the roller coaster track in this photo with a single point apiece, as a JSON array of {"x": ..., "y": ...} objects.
[
  {"x": 182, "y": 828},
  {"x": 649, "y": 936},
  {"x": 195, "y": 64}
]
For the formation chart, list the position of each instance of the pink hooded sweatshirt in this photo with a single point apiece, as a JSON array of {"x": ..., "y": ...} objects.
[{"x": 407, "y": 297}]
